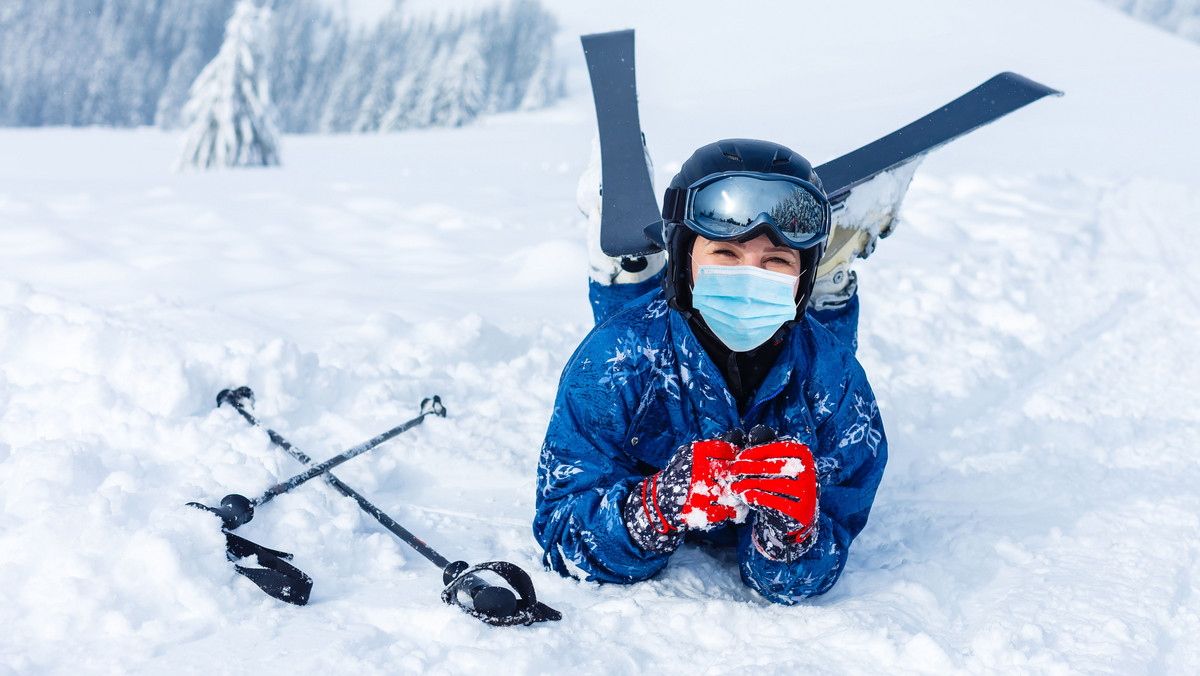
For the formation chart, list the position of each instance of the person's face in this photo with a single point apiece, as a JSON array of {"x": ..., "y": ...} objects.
[{"x": 759, "y": 252}]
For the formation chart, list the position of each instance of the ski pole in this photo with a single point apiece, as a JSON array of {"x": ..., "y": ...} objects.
[
  {"x": 236, "y": 509},
  {"x": 491, "y": 604}
]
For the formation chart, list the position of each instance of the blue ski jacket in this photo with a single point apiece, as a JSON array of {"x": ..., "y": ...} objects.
[{"x": 640, "y": 386}]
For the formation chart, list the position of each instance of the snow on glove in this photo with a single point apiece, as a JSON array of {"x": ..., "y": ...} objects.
[
  {"x": 692, "y": 491},
  {"x": 778, "y": 479}
]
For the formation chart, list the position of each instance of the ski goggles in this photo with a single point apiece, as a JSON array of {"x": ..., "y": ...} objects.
[{"x": 733, "y": 204}]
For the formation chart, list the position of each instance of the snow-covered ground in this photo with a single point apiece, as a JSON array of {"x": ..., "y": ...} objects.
[{"x": 1030, "y": 331}]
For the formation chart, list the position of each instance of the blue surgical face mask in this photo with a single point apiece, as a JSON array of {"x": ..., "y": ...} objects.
[{"x": 744, "y": 305}]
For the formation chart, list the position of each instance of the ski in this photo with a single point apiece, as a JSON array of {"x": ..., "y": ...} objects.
[
  {"x": 866, "y": 186},
  {"x": 628, "y": 204},
  {"x": 986, "y": 103},
  {"x": 880, "y": 170}
]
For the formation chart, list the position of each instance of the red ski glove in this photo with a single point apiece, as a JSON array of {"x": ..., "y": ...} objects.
[
  {"x": 779, "y": 481},
  {"x": 692, "y": 491},
  {"x": 710, "y": 500}
]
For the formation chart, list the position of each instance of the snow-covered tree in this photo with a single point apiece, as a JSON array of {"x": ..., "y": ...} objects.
[
  {"x": 194, "y": 37},
  {"x": 389, "y": 52},
  {"x": 465, "y": 82},
  {"x": 230, "y": 120},
  {"x": 421, "y": 48},
  {"x": 349, "y": 88},
  {"x": 310, "y": 48},
  {"x": 544, "y": 84},
  {"x": 456, "y": 90}
]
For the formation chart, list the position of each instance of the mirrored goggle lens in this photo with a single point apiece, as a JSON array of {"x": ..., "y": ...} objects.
[{"x": 733, "y": 205}]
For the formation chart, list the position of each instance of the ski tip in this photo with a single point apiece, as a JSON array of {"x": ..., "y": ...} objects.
[{"x": 1033, "y": 85}]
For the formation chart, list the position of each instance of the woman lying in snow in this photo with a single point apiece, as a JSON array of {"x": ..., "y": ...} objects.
[{"x": 707, "y": 404}]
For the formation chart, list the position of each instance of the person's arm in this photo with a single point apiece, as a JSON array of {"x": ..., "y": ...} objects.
[
  {"x": 584, "y": 478},
  {"x": 850, "y": 456}
]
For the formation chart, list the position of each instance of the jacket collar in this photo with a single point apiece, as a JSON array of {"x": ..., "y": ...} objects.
[{"x": 716, "y": 408}]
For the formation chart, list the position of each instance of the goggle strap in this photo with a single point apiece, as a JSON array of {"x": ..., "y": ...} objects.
[{"x": 674, "y": 202}]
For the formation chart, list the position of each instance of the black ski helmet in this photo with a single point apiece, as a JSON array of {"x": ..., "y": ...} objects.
[{"x": 729, "y": 155}]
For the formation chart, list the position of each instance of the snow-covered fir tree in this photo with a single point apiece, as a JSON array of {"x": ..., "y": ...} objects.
[
  {"x": 545, "y": 84},
  {"x": 309, "y": 47},
  {"x": 463, "y": 82},
  {"x": 389, "y": 54},
  {"x": 454, "y": 90},
  {"x": 230, "y": 120},
  {"x": 421, "y": 48},
  {"x": 195, "y": 34}
]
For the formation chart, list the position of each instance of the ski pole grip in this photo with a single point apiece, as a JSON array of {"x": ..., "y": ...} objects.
[
  {"x": 235, "y": 397},
  {"x": 492, "y": 600},
  {"x": 432, "y": 406},
  {"x": 501, "y": 608},
  {"x": 486, "y": 598}
]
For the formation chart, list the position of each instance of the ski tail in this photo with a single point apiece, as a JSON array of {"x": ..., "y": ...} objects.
[{"x": 628, "y": 204}]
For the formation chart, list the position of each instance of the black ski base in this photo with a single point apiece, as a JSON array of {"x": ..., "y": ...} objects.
[{"x": 628, "y": 204}]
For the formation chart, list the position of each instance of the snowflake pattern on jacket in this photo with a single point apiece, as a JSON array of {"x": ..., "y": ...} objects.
[{"x": 640, "y": 386}]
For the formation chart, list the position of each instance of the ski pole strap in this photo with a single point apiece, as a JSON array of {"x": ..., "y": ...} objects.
[
  {"x": 528, "y": 609},
  {"x": 275, "y": 575}
]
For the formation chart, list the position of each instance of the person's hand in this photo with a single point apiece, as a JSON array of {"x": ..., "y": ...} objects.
[
  {"x": 778, "y": 479},
  {"x": 710, "y": 500},
  {"x": 692, "y": 491}
]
